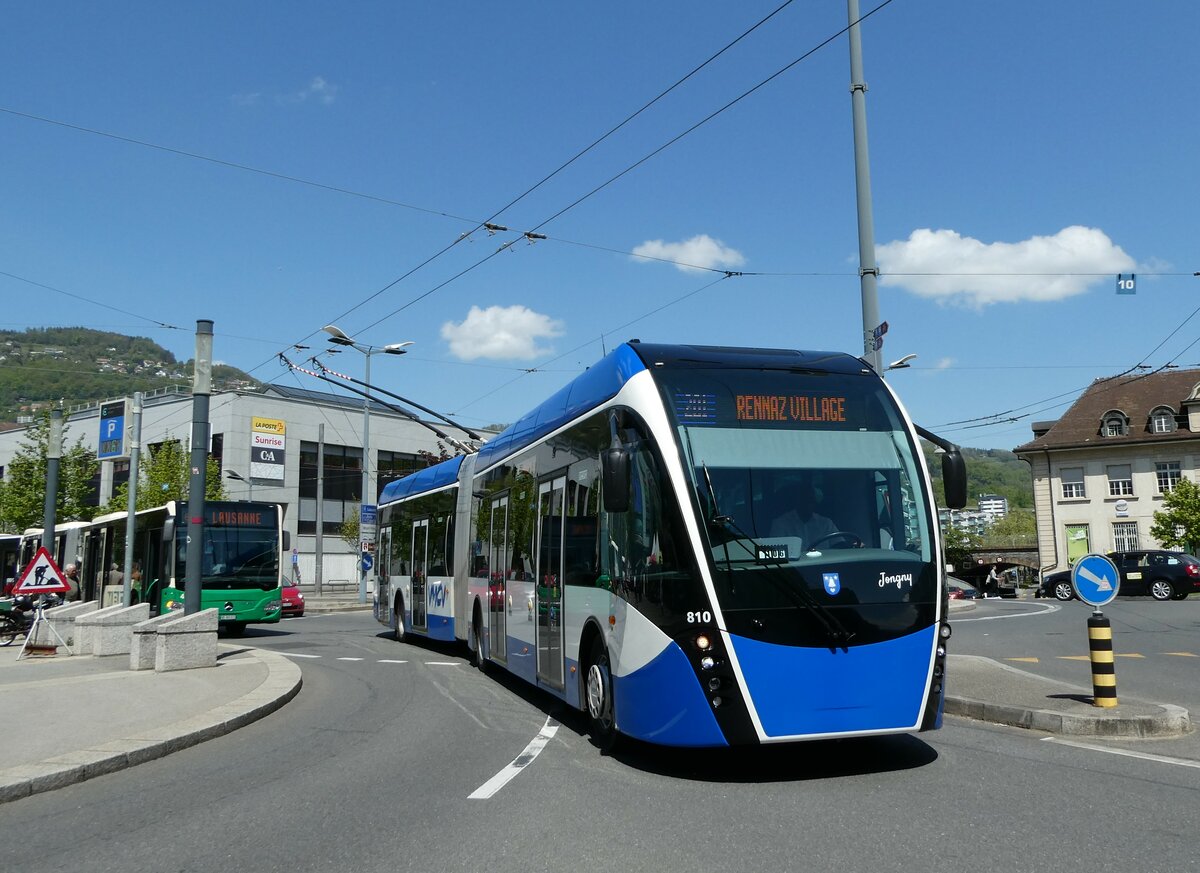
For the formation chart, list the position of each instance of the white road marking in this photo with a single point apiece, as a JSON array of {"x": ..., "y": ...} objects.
[
  {"x": 441, "y": 663},
  {"x": 523, "y": 760},
  {"x": 349, "y": 659},
  {"x": 1145, "y": 756},
  {"x": 294, "y": 654},
  {"x": 389, "y": 661},
  {"x": 1042, "y": 609}
]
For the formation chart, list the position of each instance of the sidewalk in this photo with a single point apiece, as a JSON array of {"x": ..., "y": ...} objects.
[
  {"x": 988, "y": 690},
  {"x": 333, "y": 599},
  {"x": 73, "y": 717}
]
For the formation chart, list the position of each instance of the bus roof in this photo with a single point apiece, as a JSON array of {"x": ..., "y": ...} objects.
[
  {"x": 603, "y": 381},
  {"x": 423, "y": 481}
]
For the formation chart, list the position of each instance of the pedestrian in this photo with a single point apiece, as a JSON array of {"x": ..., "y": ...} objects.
[
  {"x": 71, "y": 576},
  {"x": 993, "y": 581},
  {"x": 114, "y": 576}
]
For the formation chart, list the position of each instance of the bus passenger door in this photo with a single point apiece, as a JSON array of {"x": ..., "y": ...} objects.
[
  {"x": 549, "y": 598},
  {"x": 420, "y": 560},
  {"x": 497, "y": 565}
]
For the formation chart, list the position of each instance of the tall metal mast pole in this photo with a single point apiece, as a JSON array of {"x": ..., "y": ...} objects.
[{"x": 872, "y": 341}]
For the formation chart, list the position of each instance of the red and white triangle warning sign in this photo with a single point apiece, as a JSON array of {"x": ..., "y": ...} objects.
[{"x": 42, "y": 576}]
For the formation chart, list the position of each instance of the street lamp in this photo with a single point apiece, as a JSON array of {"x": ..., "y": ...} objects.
[
  {"x": 339, "y": 337},
  {"x": 238, "y": 477},
  {"x": 900, "y": 364}
]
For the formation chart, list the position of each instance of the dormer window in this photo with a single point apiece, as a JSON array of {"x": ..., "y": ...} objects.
[
  {"x": 1116, "y": 424},
  {"x": 1162, "y": 420}
]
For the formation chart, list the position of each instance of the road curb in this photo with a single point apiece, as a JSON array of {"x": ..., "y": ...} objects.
[
  {"x": 281, "y": 684},
  {"x": 1170, "y": 720}
]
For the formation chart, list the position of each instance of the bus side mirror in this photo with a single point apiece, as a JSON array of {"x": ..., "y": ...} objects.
[
  {"x": 954, "y": 479},
  {"x": 614, "y": 468},
  {"x": 168, "y": 533},
  {"x": 287, "y": 540}
]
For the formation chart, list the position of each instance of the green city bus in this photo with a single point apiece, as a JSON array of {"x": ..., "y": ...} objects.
[{"x": 241, "y": 560}]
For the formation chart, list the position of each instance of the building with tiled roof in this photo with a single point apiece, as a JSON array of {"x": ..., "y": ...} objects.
[{"x": 1100, "y": 472}]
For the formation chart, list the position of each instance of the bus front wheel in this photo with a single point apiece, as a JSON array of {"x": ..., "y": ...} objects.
[
  {"x": 234, "y": 628},
  {"x": 599, "y": 696}
]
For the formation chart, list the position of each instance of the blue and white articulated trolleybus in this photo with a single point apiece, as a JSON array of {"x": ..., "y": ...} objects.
[{"x": 696, "y": 546}]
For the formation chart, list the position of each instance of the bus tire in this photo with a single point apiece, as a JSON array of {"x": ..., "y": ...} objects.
[
  {"x": 398, "y": 620},
  {"x": 234, "y": 628},
  {"x": 598, "y": 697}
]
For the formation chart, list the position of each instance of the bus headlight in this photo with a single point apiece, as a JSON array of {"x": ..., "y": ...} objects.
[
  {"x": 707, "y": 663},
  {"x": 944, "y": 632},
  {"x": 703, "y": 643}
]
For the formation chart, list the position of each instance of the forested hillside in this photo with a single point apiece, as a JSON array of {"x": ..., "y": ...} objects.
[
  {"x": 989, "y": 471},
  {"x": 77, "y": 365}
]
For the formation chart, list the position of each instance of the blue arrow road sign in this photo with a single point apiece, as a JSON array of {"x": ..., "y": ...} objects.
[{"x": 1096, "y": 579}]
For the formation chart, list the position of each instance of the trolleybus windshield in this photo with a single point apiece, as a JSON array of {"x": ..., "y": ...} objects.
[{"x": 809, "y": 490}]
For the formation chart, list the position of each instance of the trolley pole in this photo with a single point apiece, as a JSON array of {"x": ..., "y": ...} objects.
[
  {"x": 201, "y": 389},
  {"x": 1104, "y": 672}
]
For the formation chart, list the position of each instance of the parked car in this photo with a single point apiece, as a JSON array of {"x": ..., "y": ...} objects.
[
  {"x": 293, "y": 601},
  {"x": 1162, "y": 574},
  {"x": 960, "y": 590}
]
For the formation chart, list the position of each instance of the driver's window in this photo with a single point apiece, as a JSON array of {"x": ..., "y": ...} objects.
[{"x": 640, "y": 552}]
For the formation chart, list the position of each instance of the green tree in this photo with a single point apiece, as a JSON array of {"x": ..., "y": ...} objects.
[
  {"x": 23, "y": 491},
  {"x": 165, "y": 474},
  {"x": 958, "y": 545},
  {"x": 348, "y": 531},
  {"x": 1019, "y": 527},
  {"x": 1177, "y": 524}
]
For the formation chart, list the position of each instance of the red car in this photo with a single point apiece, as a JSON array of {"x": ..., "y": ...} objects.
[{"x": 293, "y": 601}]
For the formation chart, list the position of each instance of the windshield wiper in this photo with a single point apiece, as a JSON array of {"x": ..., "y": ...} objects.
[{"x": 799, "y": 595}]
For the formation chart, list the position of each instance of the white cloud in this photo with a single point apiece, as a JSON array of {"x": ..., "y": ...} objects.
[
  {"x": 944, "y": 364},
  {"x": 1041, "y": 268},
  {"x": 321, "y": 91},
  {"x": 505, "y": 333},
  {"x": 692, "y": 255},
  {"x": 318, "y": 90}
]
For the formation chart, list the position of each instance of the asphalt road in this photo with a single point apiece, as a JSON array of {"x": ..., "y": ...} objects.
[{"x": 373, "y": 765}]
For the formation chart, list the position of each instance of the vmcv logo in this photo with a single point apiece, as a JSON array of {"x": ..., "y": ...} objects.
[{"x": 437, "y": 594}]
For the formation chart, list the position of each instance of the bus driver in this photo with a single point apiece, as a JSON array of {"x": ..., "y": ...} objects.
[{"x": 794, "y": 501}]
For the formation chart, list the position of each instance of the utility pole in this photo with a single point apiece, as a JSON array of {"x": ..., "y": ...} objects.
[
  {"x": 873, "y": 327},
  {"x": 131, "y": 520},
  {"x": 201, "y": 389},
  {"x": 50, "y": 504},
  {"x": 319, "y": 571}
]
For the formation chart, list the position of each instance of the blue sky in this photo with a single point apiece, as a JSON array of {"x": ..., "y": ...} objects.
[{"x": 277, "y": 166}]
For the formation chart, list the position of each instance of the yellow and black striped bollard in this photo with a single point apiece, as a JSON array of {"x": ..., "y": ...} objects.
[{"x": 1104, "y": 673}]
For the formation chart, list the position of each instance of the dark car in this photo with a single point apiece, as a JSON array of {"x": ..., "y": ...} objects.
[
  {"x": 293, "y": 601},
  {"x": 1161, "y": 574},
  {"x": 960, "y": 590}
]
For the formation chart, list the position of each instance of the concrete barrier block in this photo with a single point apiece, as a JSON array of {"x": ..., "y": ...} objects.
[
  {"x": 144, "y": 650},
  {"x": 188, "y": 642},
  {"x": 61, "y": 619},
  {"x": 85, "y": 626},
  {"x": 112, "y": 632}
]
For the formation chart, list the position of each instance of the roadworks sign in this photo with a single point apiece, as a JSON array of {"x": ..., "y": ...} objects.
[{"x": 42, "y": 576}]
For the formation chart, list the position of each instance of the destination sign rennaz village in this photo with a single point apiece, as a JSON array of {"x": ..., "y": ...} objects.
[{"x": 790, "y": 407}]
